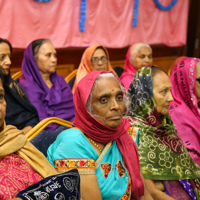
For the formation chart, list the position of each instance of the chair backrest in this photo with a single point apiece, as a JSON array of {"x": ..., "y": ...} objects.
[
  {"x": 118, "y": 70},
  {"x": 17, "y": 75},
  {"x": 71, "y": 75},
  {"x": 71, "y": 82},
  {"x": 41, "y": 138}
]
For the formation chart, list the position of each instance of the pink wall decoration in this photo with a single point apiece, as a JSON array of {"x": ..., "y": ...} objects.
[{"x": 108, "y": 22}]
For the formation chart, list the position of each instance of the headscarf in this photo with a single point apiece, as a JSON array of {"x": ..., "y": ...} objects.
[
  {"x": 20, "y": 112},
  {"x": 56, "y": 101},
  {"x": 104, "y": 134},
  {"x": 13, "y": 140},
  {"x": 161, "y": 150},
  {"x": 129, "y": 69},
  {"x": 85, "y": 66},
  {"x": 184, "y": 109}
]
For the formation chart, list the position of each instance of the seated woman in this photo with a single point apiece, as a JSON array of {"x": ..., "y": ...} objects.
[
  {"x": 185, "y": 109},
  {"x": 20, "y": 112},
  {"x": 46, "y": 90},
  {"x": 98, "y": 145},
  {"x": 169, "y": 171},
  {"x": 138, "y": 55},
  {"x": 95, "y": 57},
  {"x": 21, "y": 164}
]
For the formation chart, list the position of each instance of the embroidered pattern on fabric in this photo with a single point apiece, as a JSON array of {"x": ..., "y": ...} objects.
[
  {"x": 127, "y": 194},
  {"x": 16, "y": 175},
  {"x": 121, "y": 170},
  {"x": 105, "y": 169},
  {"x": 74, "y": 163},
  {"x": 192, "y": 82},
  {"x": 132, "y": 131},
  {"x": 84, "y": 166}
]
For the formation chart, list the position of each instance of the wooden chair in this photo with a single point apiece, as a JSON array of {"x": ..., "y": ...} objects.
[
  {"x": 44, "y": 123},
  {"x": 71, "y": 75},
  {"x": 41, "y": 138},
  {"x": 17, "y": 75}
]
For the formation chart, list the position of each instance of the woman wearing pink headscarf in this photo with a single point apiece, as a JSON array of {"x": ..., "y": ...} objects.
[
  {"x": 185, "y": 109},
  {"x": 139, "y": 55}
]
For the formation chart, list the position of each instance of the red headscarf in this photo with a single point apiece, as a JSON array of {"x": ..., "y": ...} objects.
[{"x": 104, "y": 134}]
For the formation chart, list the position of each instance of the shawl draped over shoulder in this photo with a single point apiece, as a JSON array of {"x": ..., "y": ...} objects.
[{"x": 56, "y": 101}]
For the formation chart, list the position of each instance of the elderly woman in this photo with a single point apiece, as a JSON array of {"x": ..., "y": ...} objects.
[
  {"x": 47, "y": 91},
  {"x": 21, "y": 164},
  {"x": 139, "y": 55},
  {"x": 169, "y": 171},
  {"x": 98, "y": 145},
  {"x": 94, "y": 57},
  {"x": 185, "y": 109},
  {"x": 20, "y": 112}
]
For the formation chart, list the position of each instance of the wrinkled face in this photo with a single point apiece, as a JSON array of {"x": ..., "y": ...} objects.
[
  {"x": 2, "y": 106},
  {"x": 5, "y": 54},
  {"x": 198, "y": 82},
  {"x": 47, "y": 58},
  {"x": 143, "y": 58},
  {"x": 107, "y": 102},
  {"x": 161, "y": 92},
  {"x": 99, "y": 60}
]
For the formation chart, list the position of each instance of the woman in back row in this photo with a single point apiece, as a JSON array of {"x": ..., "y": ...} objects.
[
  {"x": 139, "y": 55},
  {"x": 46, "y": 90},
  {"x": 95, "y": 57}
]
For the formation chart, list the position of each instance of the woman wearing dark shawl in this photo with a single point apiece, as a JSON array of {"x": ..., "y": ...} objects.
[
  {"x": 169, "y": 171},
  {"x": 20, "y": 112},
  {"x": 46, "y": 90},
  {"x": 185, "y": 109}
]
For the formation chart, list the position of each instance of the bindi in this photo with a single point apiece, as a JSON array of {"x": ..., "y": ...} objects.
[{"x": 113, "y": 90}]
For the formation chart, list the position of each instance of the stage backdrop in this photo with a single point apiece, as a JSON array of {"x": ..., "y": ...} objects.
[{"x": 108, "y": 22}]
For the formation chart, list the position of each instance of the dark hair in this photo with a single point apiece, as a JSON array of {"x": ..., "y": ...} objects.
[
  {"x": 7, "y": 42},
  {"x": 155, "y": 70},
  {"x": 3, "y": 77},
  {"x": 101, "y": 47},
  {"x": 36, "y": 44}
]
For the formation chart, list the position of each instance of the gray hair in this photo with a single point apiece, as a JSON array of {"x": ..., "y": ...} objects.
[
  {"x": 36, "y": 44},
  {"x": 135, "y": 48},
  {"x": 89, "y": 100}
]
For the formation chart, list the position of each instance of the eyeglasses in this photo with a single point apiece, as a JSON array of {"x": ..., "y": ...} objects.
[
  {"x": 198, "y": 79},
  {"x": 102, "y": 59}
]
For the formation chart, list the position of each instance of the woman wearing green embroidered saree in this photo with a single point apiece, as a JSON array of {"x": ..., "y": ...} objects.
[{"x": 169, "y": 171}]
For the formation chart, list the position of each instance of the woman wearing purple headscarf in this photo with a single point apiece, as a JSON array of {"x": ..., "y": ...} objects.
[{"x": 47, "y": 91}]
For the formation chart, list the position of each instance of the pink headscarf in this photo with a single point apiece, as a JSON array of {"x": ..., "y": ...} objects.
[
  {"x": 104, "y": 134},
  {"x": 129, "y": 70},
  {"x": 184, "y": 109}
]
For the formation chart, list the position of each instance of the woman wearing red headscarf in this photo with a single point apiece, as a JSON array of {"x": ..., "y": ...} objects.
[{"x": 99, "y": 145}]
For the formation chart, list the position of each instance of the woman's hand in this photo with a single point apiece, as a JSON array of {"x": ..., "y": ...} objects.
[
  {"x": 156, "y": 193},
  {"x": 147, "y": 195},
  {"x": 26, "y": 129}
]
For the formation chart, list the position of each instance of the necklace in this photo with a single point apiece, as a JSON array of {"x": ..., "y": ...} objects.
[{"x": 95, "y": 144}]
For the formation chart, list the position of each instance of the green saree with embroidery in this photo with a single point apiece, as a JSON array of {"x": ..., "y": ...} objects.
[{"x": 162, "y": 153}]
